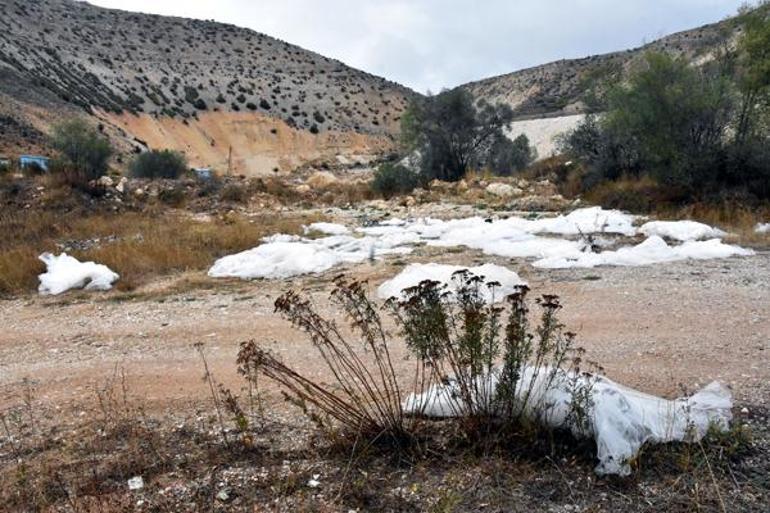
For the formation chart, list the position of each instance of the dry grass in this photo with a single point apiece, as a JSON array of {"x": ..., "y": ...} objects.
[
  {"x": 737, "y": 219},
  {"x": 138, "y": 246}
]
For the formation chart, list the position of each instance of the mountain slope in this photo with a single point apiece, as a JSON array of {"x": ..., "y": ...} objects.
[
  {"x": 134, "y": 70},
  {"x": 556, "y": 89}
]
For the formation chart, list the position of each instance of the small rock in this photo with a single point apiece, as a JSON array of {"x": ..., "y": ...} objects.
[
  {"x": 303, "y": 189},
  {"x": 121, "y": 187},
  {"x": 321, "y": 180},
  {"x": 745, "y": 410},
  {"x": 314, "y": 482},
  {"x": 223, "y": 495},
  {"x": 136, "y": 483},
  {"x": 105, "y": 181},
  {"x": 139, "y": 192},
  {"x": 501, "y": 190}
]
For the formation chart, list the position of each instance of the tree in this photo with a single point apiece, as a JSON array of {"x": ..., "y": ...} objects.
[
  {"x": 506, "y": 156},
  {"x": 159, "y": 164},
  {"x": 753, "y": 74},
  {"x": 450, "y": 132},
  {"x": 84, "y": 151}
]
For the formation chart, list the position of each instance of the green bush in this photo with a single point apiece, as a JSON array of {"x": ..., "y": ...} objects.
[
  {"x": 393, "y": 179},
  {"x": 84, "y": 152},
  {"x": 506, "y": 157},
  {"x": 159, "y": 164}
]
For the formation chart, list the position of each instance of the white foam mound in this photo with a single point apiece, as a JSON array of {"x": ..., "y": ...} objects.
[
  {"x": 681, "y": 230},
  {"x": 762, "y": 228},
  {"x": 621, "y": 419},
  {"x": 283, "y": 256},
  {"x": 414, "y": 274},
  {"x": 654, "y": 250},
  {"x": 64, "y": 272},
  {"x": 327, "y": 228},
  {"x": 554, "y": 241}
]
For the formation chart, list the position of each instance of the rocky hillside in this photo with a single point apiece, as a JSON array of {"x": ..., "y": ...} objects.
[
  {"x": 62, "y": 56},
  {"x": 556, "y": 89}
]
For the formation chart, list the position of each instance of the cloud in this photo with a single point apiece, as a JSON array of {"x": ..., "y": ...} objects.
[{"x": 433, "y": 44}]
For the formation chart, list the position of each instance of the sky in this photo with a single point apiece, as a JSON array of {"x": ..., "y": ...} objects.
[{"x": 436, "y": 44}]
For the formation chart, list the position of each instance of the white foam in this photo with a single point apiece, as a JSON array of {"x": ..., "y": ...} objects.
[
  {"x": 414, "y": 274},
  {"x": 681, "y": 230},
  {"x": 621, "y": 419},
  {"x": 654, "y": 250},
  {"x": 65, "y": 272}
]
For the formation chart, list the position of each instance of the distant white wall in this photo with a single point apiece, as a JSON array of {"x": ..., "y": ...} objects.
[{"x": 542, "y": 133}]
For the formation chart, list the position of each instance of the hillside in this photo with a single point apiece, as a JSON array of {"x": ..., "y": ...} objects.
[
  {"x": 556, "y": 89},
  {"x": 147, "y": 77}
]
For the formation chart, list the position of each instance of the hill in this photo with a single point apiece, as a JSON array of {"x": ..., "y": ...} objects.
[
  {"x": 557, "y": 88},
  {"x": 198, "y": 86}
]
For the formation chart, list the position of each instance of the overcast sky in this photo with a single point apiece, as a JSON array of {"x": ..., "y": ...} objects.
[{"x": 433, "y": 44}]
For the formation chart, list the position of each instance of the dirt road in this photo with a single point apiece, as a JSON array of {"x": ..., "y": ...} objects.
[{"x": 654, "y": 328}]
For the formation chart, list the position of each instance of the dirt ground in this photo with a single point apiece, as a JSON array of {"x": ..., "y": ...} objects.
[{"x": 656, "y": 328}]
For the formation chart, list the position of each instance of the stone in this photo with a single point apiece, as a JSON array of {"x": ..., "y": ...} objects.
[
  {"x": 121, "y": 187},
  {"x": 501, "y": 190},
  {"x": 105, "y": 181},
  {"x": 321, "y": 180},
  {"x": 303, "y": 189}
]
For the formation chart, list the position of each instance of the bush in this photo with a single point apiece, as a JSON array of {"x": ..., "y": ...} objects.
[
  {"x": 84, "y": 153},
  {"x": 393, "y": 179},
  {"x": 159, "y": 164},
  {"x": 456, "y": 338}
]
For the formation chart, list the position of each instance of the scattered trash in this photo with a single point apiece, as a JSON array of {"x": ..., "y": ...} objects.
[
  {"x": 136, "y": 483},
  {"x": 314, "y": 482}
]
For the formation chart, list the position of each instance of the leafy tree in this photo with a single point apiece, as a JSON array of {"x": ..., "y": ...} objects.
[
  {"x": 451, "y": 132},
  {"x": 753, "y": 74},
  {"x": 506, "y": 156},
  {"x": 84, "y": 151},
  {"x": 159, "y": 164}
]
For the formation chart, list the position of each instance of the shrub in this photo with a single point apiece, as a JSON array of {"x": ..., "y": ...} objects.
[
  {"x": 393, "y": 179},
  {"x": 158, "y": 164},
  {"x": 456, "y": 338},
  {"x": 84, "y": 153}
]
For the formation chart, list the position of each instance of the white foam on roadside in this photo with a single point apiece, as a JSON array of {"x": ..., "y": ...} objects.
[
  {"x": 654, "y": 250},
  {"x": 621, "y": 419},
  {"x": 556, "y": 242},
  {"x": 414, "y": 274},
  {"x": 681, "y": 230},
  {"x": 64, "y": 273},
  {"x": 762, "y": 228}
]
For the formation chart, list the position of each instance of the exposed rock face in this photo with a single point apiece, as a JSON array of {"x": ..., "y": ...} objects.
[{"x": 61, "y": 57}]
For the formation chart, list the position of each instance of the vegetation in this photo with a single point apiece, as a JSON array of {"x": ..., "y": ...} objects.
[
  {"x": 453, "y": 134},
  {"x": 699, "y": 132},
  {"x": 135, "y": 245},
  {"x": 393, "y": 179},
  {"x": 454, "y": 337},
  {"x": 84, "y": 152},
  {"x": 159, "y": 164}
]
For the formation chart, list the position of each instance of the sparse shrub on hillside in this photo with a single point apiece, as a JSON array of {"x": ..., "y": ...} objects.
[
  {"x": 84, "y": 152},
  {"x": 159, "y": 164},
  {"x": 393, "y": 179}
]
